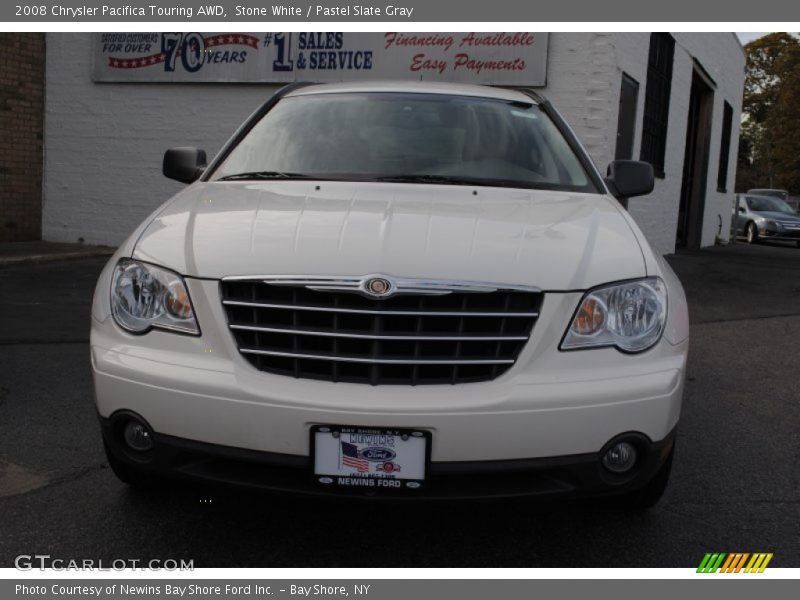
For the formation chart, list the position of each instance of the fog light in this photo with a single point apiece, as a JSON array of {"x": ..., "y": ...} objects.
[
  {"x": 137, "y": 437},
  {"x": 620, "y": 458}
]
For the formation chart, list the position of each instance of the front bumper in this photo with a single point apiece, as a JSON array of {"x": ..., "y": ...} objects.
[
  {"x": 783, "y": 235},
  {"x": 573, "y": 476}
]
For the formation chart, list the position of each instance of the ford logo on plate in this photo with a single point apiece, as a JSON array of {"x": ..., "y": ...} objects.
[{"x": 377, "y": 454}]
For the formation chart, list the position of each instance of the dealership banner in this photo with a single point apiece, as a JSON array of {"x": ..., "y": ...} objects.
[{"x": 515, "y": 58}]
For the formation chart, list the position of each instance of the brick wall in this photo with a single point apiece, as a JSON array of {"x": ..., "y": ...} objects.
[{"x": 21, "y": 124}]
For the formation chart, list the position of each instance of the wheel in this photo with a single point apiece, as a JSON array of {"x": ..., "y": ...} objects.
[
  {"x": 127, "y": 474},
  {"x": 650, "y": 494},
  {"x": 752, "y": 233}
]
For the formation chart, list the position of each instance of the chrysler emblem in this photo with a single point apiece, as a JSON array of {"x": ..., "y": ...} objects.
[{"x": 378, "y": 286}]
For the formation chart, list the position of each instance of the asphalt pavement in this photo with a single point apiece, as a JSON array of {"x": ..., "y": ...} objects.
[{"x": 735, "y": 483}]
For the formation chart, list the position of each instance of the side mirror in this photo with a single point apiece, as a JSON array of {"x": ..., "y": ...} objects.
[
  {"x": 628, "y": 178},
  {"x": 184, "y": 164}
]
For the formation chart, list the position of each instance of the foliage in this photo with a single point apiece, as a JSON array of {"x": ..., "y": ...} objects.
[{"x": 769, "y": 148}]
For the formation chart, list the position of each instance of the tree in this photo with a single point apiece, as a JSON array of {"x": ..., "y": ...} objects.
[
  {"x": 783, "y": 124},
  {"x": 769, "y": 151},
  {"x": 765, "y": 71},
  {"x": 747, "y": 175}
]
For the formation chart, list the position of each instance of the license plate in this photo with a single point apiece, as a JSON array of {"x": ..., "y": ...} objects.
[{"x": 370, "y": 458}]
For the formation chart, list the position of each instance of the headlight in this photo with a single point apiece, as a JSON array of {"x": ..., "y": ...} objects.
[
  {"x": 630, "y": 316},
  {"x": 772, "y": 224},
  {"x": 144, "y": 296}
]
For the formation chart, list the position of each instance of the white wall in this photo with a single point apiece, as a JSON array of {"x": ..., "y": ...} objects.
[
  {"x": 583, "y": 84},
  {"x": 104, "y": 142}
]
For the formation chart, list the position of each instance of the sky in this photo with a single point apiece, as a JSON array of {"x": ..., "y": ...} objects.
[{"x": 749, "y": 36}]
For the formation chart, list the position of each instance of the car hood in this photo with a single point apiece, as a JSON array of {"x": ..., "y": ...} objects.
[
  {"x": 552, "y": 240},
  {"x": 777, "y": 215}
]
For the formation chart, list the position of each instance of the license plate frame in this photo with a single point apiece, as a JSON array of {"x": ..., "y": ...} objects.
[{"x": 374, "y": 480}]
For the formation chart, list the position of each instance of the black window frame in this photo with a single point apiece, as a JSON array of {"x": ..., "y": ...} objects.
[
  {"x": 658, "y": 92},
  {"x": 619, "y": 150},
  {"x": 725, "y": 148}
]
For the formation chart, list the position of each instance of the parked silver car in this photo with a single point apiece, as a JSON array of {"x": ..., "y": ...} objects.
[{"x": 766, "y": 218}]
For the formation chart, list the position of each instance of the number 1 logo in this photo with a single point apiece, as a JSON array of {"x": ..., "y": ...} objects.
[{"x": 283, "y": 62}]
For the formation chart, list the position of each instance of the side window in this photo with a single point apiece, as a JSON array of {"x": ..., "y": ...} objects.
[
  {"x": 626, "y": 122},
  {"x": 724, "y": 148},
  {"x": 656, "y": 103}
]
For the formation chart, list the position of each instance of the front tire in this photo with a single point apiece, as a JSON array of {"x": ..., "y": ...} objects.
[
  {"x": 752, "y": 233},
  {"x": 129, "y": 475}
]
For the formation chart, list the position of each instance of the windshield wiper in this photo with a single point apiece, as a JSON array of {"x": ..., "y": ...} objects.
[
  {"x": 255, "y": 175},
  {"x": 457, "y": 180},
  {"x": 423, "y": 178}
]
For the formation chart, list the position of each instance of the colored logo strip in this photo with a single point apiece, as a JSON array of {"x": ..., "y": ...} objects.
[{"x": 734, "y": 562}]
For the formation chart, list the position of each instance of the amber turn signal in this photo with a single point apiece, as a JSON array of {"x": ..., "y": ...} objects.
[{"x": 590, "y": 318}]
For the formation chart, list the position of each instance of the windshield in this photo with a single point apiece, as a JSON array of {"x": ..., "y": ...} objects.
[
  {"x": 431, "y": 138},
  {"x": 765, "y": 204},
  {"x": 771, "y": 193}
]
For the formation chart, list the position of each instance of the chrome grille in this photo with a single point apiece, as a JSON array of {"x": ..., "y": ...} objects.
[{"x": 432, "y": 334}]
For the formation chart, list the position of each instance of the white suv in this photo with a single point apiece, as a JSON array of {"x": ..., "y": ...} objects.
[{"x": 395, "y": 289}]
